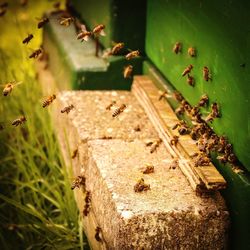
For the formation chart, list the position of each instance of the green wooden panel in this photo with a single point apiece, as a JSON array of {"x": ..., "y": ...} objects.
[
  {"x": 220, "y": 31},
  {"x": 124, "y": 20}
]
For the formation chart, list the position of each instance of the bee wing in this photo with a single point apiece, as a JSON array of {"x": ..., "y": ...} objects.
[
  {"x": 102, "y": 33},
  {"x": 83, "y": 27}
]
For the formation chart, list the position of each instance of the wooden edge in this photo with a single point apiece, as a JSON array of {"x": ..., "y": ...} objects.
[{"x": 163, "y": 118}]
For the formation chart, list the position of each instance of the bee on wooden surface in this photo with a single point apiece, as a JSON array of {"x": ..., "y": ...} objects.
[
  {"x": 117, "y": 48},
  {"x": 180, "y": 110},
  {"x": 141, "y": 186},
  {"x": 84, "y": 35},
  {"x": 48, "y": 101},
  {"x": 74, "y": 154},
  {"x": 36, "y": 53},
  {"x": 132, "y": 54},
  {"x": 98, "y": 234},
  {"x": 19, "y": 121},
  {"x": 23, "y": 2},
  {"x": 78, "y": 182},
  {"x": 67, "y": 109},
  {"x": 155, "y": 145},
  {"x": 182, "y": 127},
  {"x": 163, "y": 94},
  {"x": 177, "y": 48},
  {"x": 110, "y": 105},
  {"x": 137, "y": 128},
  {"x": 87, "y": 204},
  {"x": 192, "y": 52},
  {"x": 148, "y": 143},
  {"x": 42, "y": 22},
  {"x": 127, "y": 72},
  {"x": 27, "y": 39},
  {"x": 105, "y": 137},
  {"x": 8, "y": 87},
  {"x": 99, "y": 30},
  {"x": 174, "y": 164},
  {"x": 203, "y": 101},
  {"x": 174, "y": 140},
  {"x": 177, "y": 96},
  {"x": 206, "y": 74},
  {"x": 66, "y": 21},
  {"x": 149, "y": 169},
  {"x": 119, "y": 110},
  {"x": 190, "y": 80},
  {"x": 202, "y": 160},
  {"x": 187, "y": 70}
]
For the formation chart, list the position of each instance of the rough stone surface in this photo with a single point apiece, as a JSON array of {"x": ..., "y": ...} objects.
[{"x": 168, "y": 216}]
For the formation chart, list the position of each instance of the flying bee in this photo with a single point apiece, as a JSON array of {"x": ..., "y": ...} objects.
[
  {"x": 27, "y": 39},
  {"x": 155, "y": 145},
  {"x": 132, "y": 54},
  {"x": 187, "y": 70},
  {"x": 180, "y": 110},
  {"x": 117, "y": 48},
  {"x": 177, "y": 96},
  {"x": 174, "y": 140},
  {"x": 119, "y": 110},
  {"x": 67, "y": 109},
  {"x": 74, "y": 154},
  {"x": 163, "y": 94},
  {"x": 149, "y": 169},
  {"x": 177, "y": 48},
  {"x": 8, "y": 87},
  {"x": 127, "y": 72},
  {"x": 192, "y": 52},
  {"x": 190, "y": 80},
  {"x": 87, "y": 204},
  {"x": 19, "y": 121},
  {"x": 99, "y": 30},
  {"x": 66, "y": 21},
  {"x": 110, "y": 105},
  {"x": 206, "y": 74},
  {"x": 48, "y": 101},
  {"x": 36, "y": 53},
  {"x": 84, "y": 34},
  {"x": 203, "y": 101},
  {"x": 141, "y": 186},
  {"x": 78, "y": 182},
  {"x": 42, "y": 22},
  {"x": 97, "y": 234}
]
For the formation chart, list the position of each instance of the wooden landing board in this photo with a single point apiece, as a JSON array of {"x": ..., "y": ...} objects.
[{"x": 163, "y": 118}]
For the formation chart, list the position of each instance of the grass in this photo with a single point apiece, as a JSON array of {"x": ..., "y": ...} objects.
[{"x": 37, "y": 207}]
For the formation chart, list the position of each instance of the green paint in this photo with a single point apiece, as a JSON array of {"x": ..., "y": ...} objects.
[
  {"x": 237, "y": 193},
  {"x": 124, "y": 20},
  {"x": 220, "y": 31},
  {"x": 74, "y": 64}
]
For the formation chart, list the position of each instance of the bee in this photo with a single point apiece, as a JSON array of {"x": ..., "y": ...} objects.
[
  {"x": 206, "y": 74},
  {"x": 2, "y": 11},
  {"x": 74, "y": 154},
  {"x": 149, "y": 143},
  {"x": 203, "y": 101},
  {"x": 174, "y": 164},
  {"x": 119, "y": 110},
  {"x": 23, "y": 2},
  {"x": 149, "y": 169},
  {"x": 223, "y": 159},
  {"x": 155, "y": 145},
  {"x": 132, "y": 54},
  {"x": 192, "y": 52},
  {"x": 163, "y": 94},
  {"x": 232, "y": 158},
  {"x": 49, "y": 100},
  {"x": 186, "y": 106},
  {"x": 177, "y": 48},
  {"x": 187, "y": 70},
  {"x": 198, "y": 118},
  {"x": 202, "y": 160},
  {"x": 117, "y": 48},
  {"x": 128, "y": 71},
  {"x": 36, "y": 53},
  {"x": 137, "y": 128},
  {"x": 78, "y": 182},
  {"x": 177, "y": 96},
  {"x": 4, "y": 5},
  {"x": 105, "y": 137},
  {"x": 97, "y": 234},
  {"x": 67, "y": 109},
  {"x": 8, "y": 87},
  {"x": 215, "y": 110},
  {"x": 87, "y": 204},
  {"x": 84, "y": 34},
  {"x": 42, "y": 22},
  {"x": 228, "y": 148},
  {"x": 222, "y": 144},
  {"x": 19, "y": 121},
  {"x": 66, "y": 21},
  {"x": 27, "y": 39},
  {"x": 190, "y": 80},
  {"x": 99, "y": 30},
  {"x": 180, "y": 110},
  {"x": 174, "y": 140},
  {"x": 140, "y": 186},
  {"x": 194, "y": 111},
  {"x": 182, "y": 127},
  {"x": 110, "y": 105}
]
